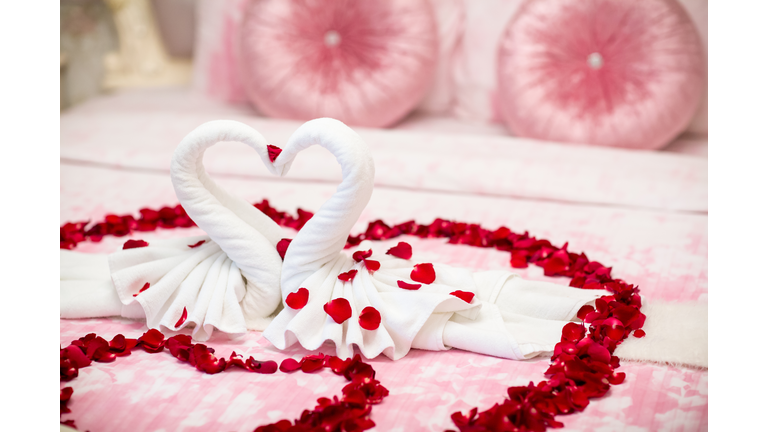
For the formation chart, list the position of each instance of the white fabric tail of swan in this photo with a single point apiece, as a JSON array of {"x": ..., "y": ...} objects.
[
  {"x": 324, "y": 236},
  {"x": 245, "y": 234}
]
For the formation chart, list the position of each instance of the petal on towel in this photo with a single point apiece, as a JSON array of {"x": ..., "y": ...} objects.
[
  {"x": 424, "y": 273},
  {"x": 192, "y": 246},
  {"x": 361, "y": 255},
  {"x": 372, "y": 265},
  {"x": 131, "y": 244},
  {"x": 348, "y": 276},
  {"x": 370, "y": 318},
  {"x": 408, "y": 286},
  {"x": 274, "y": 152},
  {"x": 338, "y": 309},
  {"x": 584, "y": 311},
  {"x": 282, "y": 246},
  {"x": 403, "y": 250},
  {"x": 573, "y": 332},
  {"x": 144, "y": 288},
  {"x": 182, "y": 319},
  {"x": 464, "y": 295},
  {"x": 298, "y": 299}
]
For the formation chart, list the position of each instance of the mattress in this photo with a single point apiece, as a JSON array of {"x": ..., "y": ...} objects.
[{"x": 643, "y": 213}]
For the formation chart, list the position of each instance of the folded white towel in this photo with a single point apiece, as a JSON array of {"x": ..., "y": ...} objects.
[
  {"x": 230, "y": 282},
  {"x": 507, "y": 317}
]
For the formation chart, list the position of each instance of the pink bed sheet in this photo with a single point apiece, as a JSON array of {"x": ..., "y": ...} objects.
[{"x": 644, "y": 213}]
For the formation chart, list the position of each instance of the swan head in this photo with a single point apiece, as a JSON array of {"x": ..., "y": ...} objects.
[{"x": 335, "y": 136}]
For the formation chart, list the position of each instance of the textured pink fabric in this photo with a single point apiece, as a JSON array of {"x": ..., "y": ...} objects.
[
  {"x": 603, "y": 72},
  {"x": 364, "y": 63}
]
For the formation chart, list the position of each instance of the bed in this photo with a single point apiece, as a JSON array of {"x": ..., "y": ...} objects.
[{"x": 644, "y": 213}]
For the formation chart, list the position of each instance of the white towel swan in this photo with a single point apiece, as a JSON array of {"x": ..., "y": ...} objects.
[
  {"x": 234, "y": 280},
  {"x": 230, "y": 282},
  {"x": 507, "y": 317}
]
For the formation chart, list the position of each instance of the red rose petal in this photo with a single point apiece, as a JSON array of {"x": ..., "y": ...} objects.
[
  {"x": 573, "y": 332},
  {"x": 298, "y": 299},
  {"x": 348, "y": 276},
  {"x": 639, "y": 333},
  {"x": 584, "y": 311},
  {"x": 372, "y": 265},
  {"x": 370, "y": 318},
  {"x": 132, "y": 244},
  {"x": 289, "y": 365},
  {"x": 338, "y": 309},
  {"x": 144, "y": 288},
  {"x": 424, "y": 273},
  {"x": 196, "y": 244},
  {"x": 282, "y": 246},
  {"x": 182, "y": 319},
  {"x": 408, "y": 286},
  {"x": 312, "y": 363},
  {"x": 265, "y": 367},
  {"x": 617, "y": 378},
  {"x": 152, "y": 341},
  {"x": 274, "y": 152},
  {"x": 403, "y": 251},
  {"x": 464, "y": 295},
  {"x": 361, "y": 255}
]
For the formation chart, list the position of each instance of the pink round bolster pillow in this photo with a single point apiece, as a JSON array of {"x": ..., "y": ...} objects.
[
  {"x": 366, "y": 63},
  {"x": 604, "y": 72}
]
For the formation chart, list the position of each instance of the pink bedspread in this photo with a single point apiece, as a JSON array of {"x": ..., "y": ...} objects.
[{"x": 644, "y": 213}]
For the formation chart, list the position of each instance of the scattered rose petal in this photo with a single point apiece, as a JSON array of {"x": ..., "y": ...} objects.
[
  {"x": 152, "y": 341},
  {"x": 584, "y": 311},
  {"x": 144, "y": 288},
  {"x": 298, "y": 299},
  {"x": 464, "y": 295},
  {"x": 424, "y": 273},
  {"x": 370, "y": 318},
  {"x": 639, "y": 333},
  {"x": 182, "y": 319},
  {"x": 192, "y": 246},
  {"x": 403, "y": 251},
  {"x": 348, "y": 276},
  {"x": 312, "y": 363},
  {"x": 372, "y": 265},
  {"x": 361, "y": 255},
  {"x": 282, "y": 247},
  {"x": 408, "y": 286},
  {"x": 338, "y": 309},
  {"x": 274, "y": 152},
  {"x": 265, "y": 367},
  {"x": 289, "y": 365},
  {"x": 573, "y": 332},
  {"x": 132, "y": 244}
]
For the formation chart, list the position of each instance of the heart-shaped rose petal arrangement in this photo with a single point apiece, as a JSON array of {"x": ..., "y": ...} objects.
[
  {"x": 351, "y": 412},
  {"x": 581, "y": 368}
]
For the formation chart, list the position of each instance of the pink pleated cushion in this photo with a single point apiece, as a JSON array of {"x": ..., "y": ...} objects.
[
  {"x": 603, "y": 72},
  {"x": 366, "y": 63}
]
